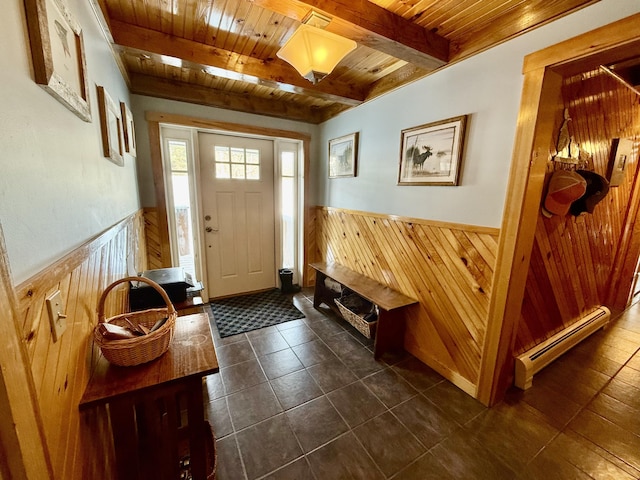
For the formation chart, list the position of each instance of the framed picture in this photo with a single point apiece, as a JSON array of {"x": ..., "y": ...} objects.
[
  {"x": 110, "y": 127},
  {"x": 129, "y": 130},
  {"x": 57, "y": 49},
  {"x": 621, "y": 154},
  {"x": 431, "y": 154},
  {"x": 343, "y": 156}
]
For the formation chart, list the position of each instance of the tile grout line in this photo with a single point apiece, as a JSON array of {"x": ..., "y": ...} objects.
[{"x": 582, "y": 409}]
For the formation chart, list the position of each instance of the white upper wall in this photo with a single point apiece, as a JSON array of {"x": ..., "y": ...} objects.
[
  {"x": 487, "y": 87},
  {"x": 57, "y": 190},
  {"x": 143, "y": 104}
]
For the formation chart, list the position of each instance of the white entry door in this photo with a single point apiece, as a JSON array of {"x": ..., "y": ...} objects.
[{"x": 237, "y": 183}]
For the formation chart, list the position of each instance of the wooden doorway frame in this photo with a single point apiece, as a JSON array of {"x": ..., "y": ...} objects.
[
  {"x": 543, "y": 72},
  {"x": 154, "y": 119}
]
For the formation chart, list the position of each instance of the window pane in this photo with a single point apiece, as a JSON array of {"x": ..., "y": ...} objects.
[
  {"x": 180, "y": 189},
  {"x": 253, "y": 157},
  {"x": 223, "y": 170},
  {"x": 253, "y": 172},
  {"x": 288, "y": 200},
  {"x": 288, "y": 167},
  {"x": 222, "y": 154},
  {"x": 288, "y": 225},
  {"x": 182, "y": 218},
  {"x": 178, "y": 155},
  {"x": 237, "y": 155},
  {"x": 237, "y": 171}
]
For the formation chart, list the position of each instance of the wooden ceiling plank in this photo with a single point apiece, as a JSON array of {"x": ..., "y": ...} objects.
[
  {"x": 241, "y": 29},
  {"x": 517, "y": 21},
  {"x": 372, "y": 26},
  {"x": 185, "y": 92},
  {"x": 216, "y": 15},
  {"x": 204, "y": 12},
  {"x": 276, "y": 73},
  {"x": 441, "y": 15},
  {"x": 483, "y": 13},
  {"x": 192, "y": 15},
  {"x": 271, "y": 36},
  {"x": 141, "y": 10},
  {"x": 228, "y": 22}
]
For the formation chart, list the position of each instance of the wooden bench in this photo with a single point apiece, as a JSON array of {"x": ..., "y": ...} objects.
[{"x": 391, "y": 303}]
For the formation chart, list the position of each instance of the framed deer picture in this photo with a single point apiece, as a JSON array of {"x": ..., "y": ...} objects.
[
  {"x": 343, "y": 156},
  {"x": 431, "y": 154}
]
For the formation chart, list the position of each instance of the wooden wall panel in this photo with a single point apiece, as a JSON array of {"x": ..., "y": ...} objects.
[
  {"x": 573, "y": 258},
  {"x": 447, "y": 267},
  {"x": 153, "y": 241},
  {"x": 61, "y": 370},
  {"x": 23, "y": 452}
]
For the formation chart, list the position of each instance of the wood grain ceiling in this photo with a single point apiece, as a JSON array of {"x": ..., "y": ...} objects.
[{"x": 222, "y": 53}]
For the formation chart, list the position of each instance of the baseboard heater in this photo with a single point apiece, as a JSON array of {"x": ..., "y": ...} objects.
[{"x": 534, "y": 360}]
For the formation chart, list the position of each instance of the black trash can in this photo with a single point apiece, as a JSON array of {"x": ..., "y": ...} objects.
[{"x": 286, "y": 280}]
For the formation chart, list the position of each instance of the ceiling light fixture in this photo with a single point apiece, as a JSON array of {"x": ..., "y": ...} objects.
[{"x": 313, "y": 51}]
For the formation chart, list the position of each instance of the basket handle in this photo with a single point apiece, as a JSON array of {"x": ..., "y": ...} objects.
[{"x": 170, "y": 308}]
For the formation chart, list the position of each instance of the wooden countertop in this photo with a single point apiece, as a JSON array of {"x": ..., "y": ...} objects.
[{"x": 191, "y": 354}]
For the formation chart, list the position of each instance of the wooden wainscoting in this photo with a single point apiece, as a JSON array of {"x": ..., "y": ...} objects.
[
  {"x": 153, "y": 239},
  {"x": 447, "y": 267},
  {"x": 61, "y": 370},
  {"x": 577, "y": 263}
]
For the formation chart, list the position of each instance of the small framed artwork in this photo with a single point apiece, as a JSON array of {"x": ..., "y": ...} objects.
[
  {"x": 129, "y": 130},
  {"x": 57, "y": 49},
  {"x": 343, "y": 156},
  {"x": 621, "y": 154},
  {"x": 110, "y": 127},
  {"x": 431, "y": 154}
]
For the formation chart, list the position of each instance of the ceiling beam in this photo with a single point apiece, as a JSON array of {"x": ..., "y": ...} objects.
[
  {"x": 372, "y": 26},
  {"x": 402, "y": 76},
  {"x": 272, "y": 73},
  {"x": 186, "y": 92}
]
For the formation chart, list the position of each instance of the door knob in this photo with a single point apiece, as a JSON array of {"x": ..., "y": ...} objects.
[{"x": 210, "y": 229}]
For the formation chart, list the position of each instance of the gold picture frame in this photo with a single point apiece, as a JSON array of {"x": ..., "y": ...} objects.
[
  {"x": 110, "y": 127},
  {"x": 343, "y": 156},
  {"x": 431, "y": 154},
  {"x": 57, "y": 50},
  {"x": 129, "y": 130}
]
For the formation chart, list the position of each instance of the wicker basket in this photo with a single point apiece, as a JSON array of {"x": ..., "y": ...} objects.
[
  {"x": 135, "y": 351},
  {"x": 367, "y": 328}
]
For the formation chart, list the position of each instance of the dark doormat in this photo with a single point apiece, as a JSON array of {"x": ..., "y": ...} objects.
[{"x": 249, "y": 312}]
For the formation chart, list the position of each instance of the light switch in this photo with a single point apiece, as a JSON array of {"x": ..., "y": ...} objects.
[{"x": 56, "y": 315}]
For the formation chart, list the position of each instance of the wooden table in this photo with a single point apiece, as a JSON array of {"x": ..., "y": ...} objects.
[
  {"x": 156, "y": 409},
  {"x": 391, "y": 303}
]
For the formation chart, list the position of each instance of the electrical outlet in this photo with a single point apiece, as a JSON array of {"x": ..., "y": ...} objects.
[{"x": 57, "y": 318}]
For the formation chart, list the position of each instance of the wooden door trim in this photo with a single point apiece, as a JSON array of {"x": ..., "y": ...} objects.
[
  {"x": 625, "y": 262},
  {"x": 543, "y": 72},
  {"x": 154, "y": 119}
]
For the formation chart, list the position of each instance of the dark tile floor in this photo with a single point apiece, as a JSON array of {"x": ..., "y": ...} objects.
[{"x": 305, "y": 400}]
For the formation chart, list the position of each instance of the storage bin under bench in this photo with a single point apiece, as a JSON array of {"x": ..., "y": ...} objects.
[{"x": 391, "y": 303}]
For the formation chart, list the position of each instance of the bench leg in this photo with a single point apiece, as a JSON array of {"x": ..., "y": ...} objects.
[
  {"x": 318, "y": 292},
  {"x": 389, "y": 333}
]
